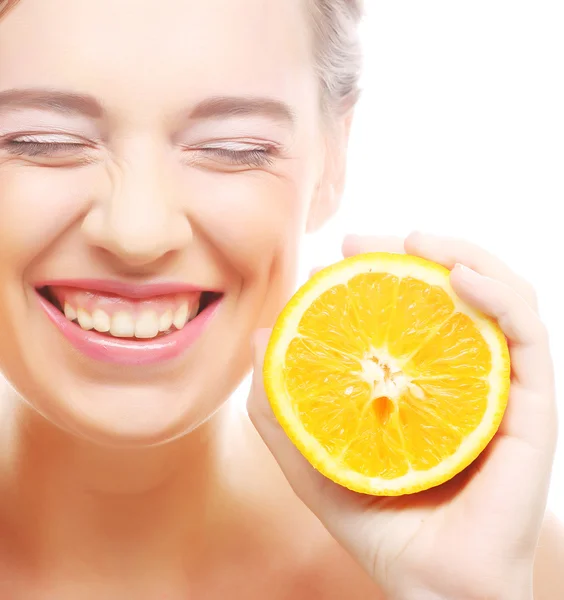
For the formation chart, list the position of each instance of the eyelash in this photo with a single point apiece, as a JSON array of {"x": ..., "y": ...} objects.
[
  {"x": 40, "y": 148},
  {"x": 255, "y": 157}
]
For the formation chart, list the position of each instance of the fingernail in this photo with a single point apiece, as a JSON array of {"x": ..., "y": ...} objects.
[{"x": 466, "y": 271}]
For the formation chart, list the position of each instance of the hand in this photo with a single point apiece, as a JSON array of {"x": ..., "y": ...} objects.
[{"x": 475, "y": 536}]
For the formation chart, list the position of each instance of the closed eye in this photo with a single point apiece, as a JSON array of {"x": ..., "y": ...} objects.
[
  {"x": 44, "y": 145},
  {"x": 237, "y": 153}
]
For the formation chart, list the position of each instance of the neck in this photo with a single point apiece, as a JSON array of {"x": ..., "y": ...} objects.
[{"x": 76, "y": 503}]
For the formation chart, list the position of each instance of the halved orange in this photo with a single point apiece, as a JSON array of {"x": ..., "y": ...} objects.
[{"x": 383, "y": 378}]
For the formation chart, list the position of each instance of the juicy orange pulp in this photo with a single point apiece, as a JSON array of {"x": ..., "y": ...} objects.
[{"x": 384, "y": 380}]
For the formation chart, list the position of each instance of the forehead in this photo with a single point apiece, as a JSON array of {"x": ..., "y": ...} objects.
[{"x": 165, "y": 48}]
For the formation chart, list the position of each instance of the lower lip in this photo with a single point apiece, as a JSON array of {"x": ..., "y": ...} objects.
[{"x": 126, "y": 352}]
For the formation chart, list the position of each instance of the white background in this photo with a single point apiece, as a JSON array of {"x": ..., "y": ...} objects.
[{"x": 461, "y": 131}]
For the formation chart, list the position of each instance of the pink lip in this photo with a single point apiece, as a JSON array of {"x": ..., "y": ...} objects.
[
  {"x": 127, "y": 290},
  {"x": 128, "y": 352}
]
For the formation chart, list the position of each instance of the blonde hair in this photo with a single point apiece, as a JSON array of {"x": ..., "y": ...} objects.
[
  {"x": 338, "y": 55},
  {"x": 338, "y": 51}
]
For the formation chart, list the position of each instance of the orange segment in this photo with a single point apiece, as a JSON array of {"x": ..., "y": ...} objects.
[
  {"x": 420, "y": 310},
  {"x": 381, "y": 376},
  {"x": 377, "y": 451},
  {"x": 334, "y": 313},
  {"x": 313, "y": 385},
  {"x": 457, "y": 348},
  {"x": 374, "y": 295}
]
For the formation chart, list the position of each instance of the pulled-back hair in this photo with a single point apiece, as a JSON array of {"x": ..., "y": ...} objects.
[{"x": 338, "y": 53}]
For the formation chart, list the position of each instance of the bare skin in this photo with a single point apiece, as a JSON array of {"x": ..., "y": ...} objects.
[
  {"x": 242, "y": 531},
  {"x": 126, "y": 482}
]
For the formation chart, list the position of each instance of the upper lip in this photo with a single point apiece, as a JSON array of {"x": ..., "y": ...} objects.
[{"x": 125, "y": 289}]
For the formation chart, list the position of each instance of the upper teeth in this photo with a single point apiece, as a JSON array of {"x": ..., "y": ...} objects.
[{"x": 146, "y": 325}]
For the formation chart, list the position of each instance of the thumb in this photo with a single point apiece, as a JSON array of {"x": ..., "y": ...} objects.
[
  {"x": 342, "y": 512},
  {"x": 323, "y": 497}
]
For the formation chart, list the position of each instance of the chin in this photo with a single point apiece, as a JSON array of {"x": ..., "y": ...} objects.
[{"x": 120, "y": 415}]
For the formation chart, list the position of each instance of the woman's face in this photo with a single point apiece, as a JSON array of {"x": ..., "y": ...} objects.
[{"x": 158, "y": 163}]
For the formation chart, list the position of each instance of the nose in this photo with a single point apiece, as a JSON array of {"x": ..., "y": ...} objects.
[{"x": 138, "y": 220}]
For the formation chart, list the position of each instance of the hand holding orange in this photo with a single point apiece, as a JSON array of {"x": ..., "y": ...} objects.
[{"x": 390, "y": 374}]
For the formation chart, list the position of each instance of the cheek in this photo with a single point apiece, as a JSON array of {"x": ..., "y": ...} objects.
[
  {"x": 36, "y": 206},
  {"x": 253, "y": 219}
]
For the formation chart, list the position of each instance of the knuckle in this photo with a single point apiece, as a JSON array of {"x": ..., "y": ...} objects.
[
  {"x": 462, "y": 250},
  {"x": 524, "y": 289},
  {"x": 529, "y": 292},
  {"x": 468, "y": 247},
  {"x": 478, "y": 257}
]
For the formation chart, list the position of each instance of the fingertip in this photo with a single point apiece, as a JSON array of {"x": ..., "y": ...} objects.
[
  {"x": 358, "y": 244},
  {"x": 415, "y": 235},
  {"x": 420, "y": 244},
  {"x": 350, "y": 244},
  {"x": 315, "y": 271},
  {"x": 466, "y": 274},
  {"x": 472, "y": 287},
  {"x": 351, "y": 237},
  {"x": 414, "y": 240}
]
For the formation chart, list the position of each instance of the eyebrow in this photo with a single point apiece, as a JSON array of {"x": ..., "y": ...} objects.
[
  {"x": 62, "y": 102},
  {"x": 234, "y": 106},
  {"x": 212, "y": 108}
]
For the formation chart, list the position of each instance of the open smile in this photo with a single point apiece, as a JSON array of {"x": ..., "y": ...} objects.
[{"x": 128, "y": 324}]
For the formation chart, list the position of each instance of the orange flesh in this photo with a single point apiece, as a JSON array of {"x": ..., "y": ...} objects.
[{"x": 379, "y": 332}]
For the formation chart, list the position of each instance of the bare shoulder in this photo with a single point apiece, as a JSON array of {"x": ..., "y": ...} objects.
[{"x": 549, "y": 562}]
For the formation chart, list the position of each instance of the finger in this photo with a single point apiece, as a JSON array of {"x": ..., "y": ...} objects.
[
  {"x": 449, "y": 252},
  {"x": 531, "y": 412},
  {"x": 529, "y": 417},
  {"x": 530, "y": 352},
  {"x": 341, "y": 511},
  {"x": 293, "y": 465},
  {"x": 360, "y": 244},
  {"x": 303, "y": 478}
]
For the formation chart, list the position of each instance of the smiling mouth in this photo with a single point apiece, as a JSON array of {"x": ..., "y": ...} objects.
[{"x": 132, "y": 319}]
